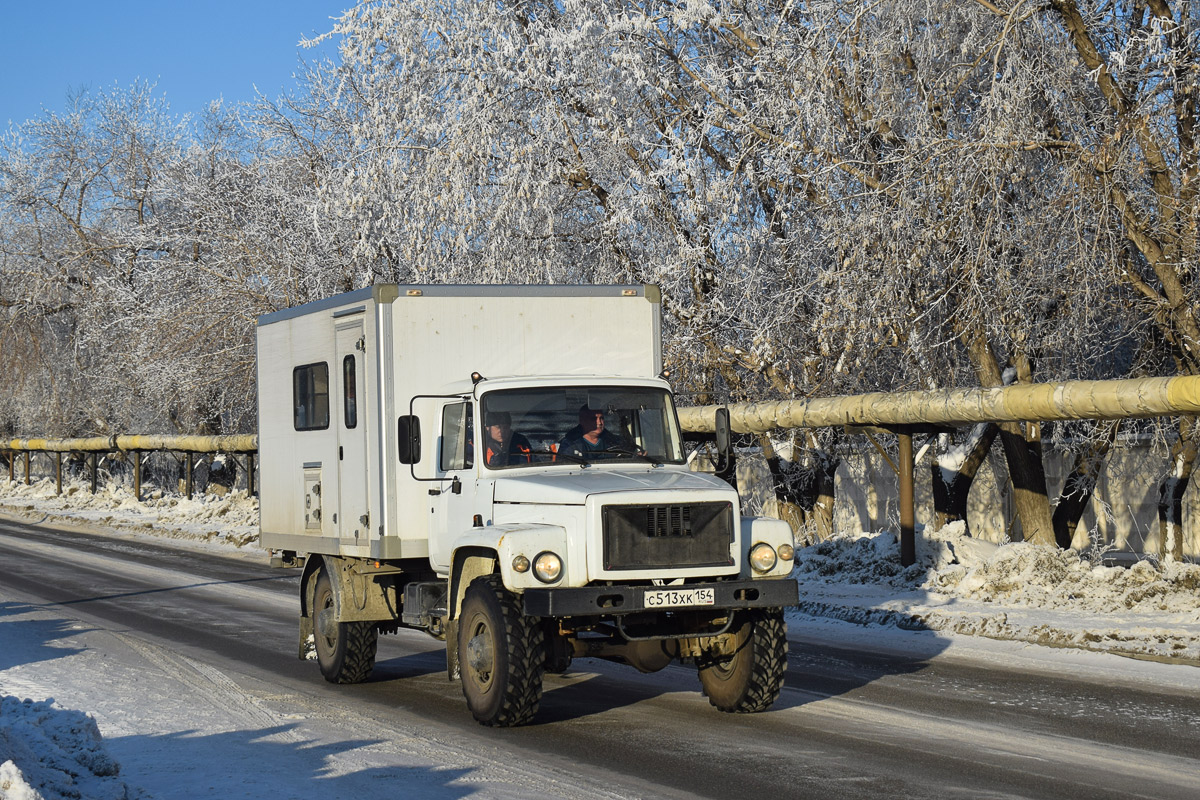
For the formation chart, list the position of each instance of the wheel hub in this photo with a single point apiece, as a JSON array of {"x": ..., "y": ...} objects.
[
  {"x": 480, "y": 655},
  {"x": 326, "y": 624}
]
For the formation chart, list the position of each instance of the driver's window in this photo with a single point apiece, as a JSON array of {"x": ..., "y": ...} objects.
[{"x": 458, "y": 449}]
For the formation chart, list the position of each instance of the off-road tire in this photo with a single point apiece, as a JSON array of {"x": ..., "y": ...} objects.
[
  {"x": 751, "y": 679},
  {"x": 345, "y": 652},
  {"x": 502, "y": 672}
]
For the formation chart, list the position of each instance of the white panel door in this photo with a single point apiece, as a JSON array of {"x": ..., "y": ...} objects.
[{"x": 353, "y": 523}]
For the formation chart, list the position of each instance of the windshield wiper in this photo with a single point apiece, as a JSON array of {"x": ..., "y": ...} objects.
[
  {"x": 571, "y": 456},
  {"x": 626, "y": 451}
]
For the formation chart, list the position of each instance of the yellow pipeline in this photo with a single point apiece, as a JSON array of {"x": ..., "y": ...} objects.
[
  {"x": 243, "y": 443},
  {"x": 1045, "y": 402},
  {"x": 246, "y": 443},
  {"x": 95, "y": 443}
]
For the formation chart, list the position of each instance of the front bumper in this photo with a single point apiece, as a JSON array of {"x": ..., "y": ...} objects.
[{"x": 608, "y": 601}]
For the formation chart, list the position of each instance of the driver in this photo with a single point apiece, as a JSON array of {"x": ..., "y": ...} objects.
[
  {"x": 589, "y": 436},
  {"x": 501, "y": 445}
]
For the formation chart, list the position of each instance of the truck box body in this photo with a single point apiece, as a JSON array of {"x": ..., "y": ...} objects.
[{"x": 404, "y": 342}]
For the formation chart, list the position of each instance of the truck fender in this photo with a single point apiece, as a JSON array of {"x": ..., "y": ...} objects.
[
  {"x": 769, "y": 530},
  {"x": 504, "y": 543},
  {"x": 484, "y": 551},
  {"x": 469, "y": 563}
]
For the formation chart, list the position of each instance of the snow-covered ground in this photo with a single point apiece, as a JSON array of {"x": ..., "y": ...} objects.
[
  {"x": 230, "y": 520},
  {"x": 852, "y": 590},
  {"x": 1017, "y": 591}
]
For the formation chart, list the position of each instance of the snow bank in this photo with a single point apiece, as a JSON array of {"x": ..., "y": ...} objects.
[
  {"x": 950, "y": 562},
  {"x": 47, "y": 753},
  {"x": 229, "y": 519},
  {"x": 1012, "y": 591}
]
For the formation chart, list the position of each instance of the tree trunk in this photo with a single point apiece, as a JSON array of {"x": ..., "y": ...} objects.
[
  {"x": 1080, "y": 485},
  {"x": 822, "y": 508},
  {"x": 1170, "y": 496},
  {"x": 1022, "y": 446},
  {"x": 805, "y": 494},
  {"x": 951, "y": 487},
  {"x": 1024, "y": 457}
]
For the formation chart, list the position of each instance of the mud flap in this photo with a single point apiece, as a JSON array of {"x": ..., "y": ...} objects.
[
  {"x": 307, "y": 587},
  {"x": 452, "y": 669},
  {"x": 306, "y": 634}
]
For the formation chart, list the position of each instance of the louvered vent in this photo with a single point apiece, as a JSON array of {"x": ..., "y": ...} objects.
[
  {"x": 668, "y": 521},
  {"x": 663, "y": 536}
]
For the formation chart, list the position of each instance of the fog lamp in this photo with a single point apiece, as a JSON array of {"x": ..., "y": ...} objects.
[
  {"x": 520, "y": 564},
  {"x": 547, "y": 567},
  {"x": 762, "y": 557},
  {"x": 786, "y": 552}
]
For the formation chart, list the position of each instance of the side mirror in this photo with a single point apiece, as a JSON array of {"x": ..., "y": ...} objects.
[
  {"x": 724, "y": 436},
  {"x": 408, "y": 438},
  {"x": 726, "y": 461}
]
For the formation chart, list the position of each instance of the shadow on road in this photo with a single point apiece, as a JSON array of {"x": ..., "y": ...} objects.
[
  {"x": 141, "y": 592},
  {"x": 414, "y": 665},
  {"x": 277, "y": 762},
  {"x": 817, "y": 669},
  {"x": 28, "y": 641}
]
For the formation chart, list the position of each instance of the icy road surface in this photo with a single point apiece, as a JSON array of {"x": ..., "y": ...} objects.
[{"x": 187, "y": 661}]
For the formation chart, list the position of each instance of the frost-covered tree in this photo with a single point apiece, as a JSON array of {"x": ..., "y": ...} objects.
[
  {"x": 72, "y": 186},
  {"x": 835, "y": 197}
]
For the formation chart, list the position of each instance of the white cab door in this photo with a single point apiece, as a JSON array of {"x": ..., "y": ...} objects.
[{"x": 454, "y": 500}]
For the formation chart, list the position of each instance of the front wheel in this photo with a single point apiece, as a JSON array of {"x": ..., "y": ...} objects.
[
  {"x": 501, "y": 655},
  {"x": 345, "y": 650},
  {"x": 751, "y": 678}
]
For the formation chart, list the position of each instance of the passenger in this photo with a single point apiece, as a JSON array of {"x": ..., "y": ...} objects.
[
  {"x": 502, "y": 447},
  {"x": 589, "y": 436}
]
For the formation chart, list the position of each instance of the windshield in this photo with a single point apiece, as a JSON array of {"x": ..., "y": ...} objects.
[{"x": 579, "y": 425}]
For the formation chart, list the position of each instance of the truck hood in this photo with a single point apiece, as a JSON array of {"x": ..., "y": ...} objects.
[{"x": 574, "y": 488}]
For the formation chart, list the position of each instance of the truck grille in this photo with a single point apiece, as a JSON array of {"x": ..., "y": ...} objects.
[
  {"x": 663, "y": 536},
  {"x": 668, "y": 521}
]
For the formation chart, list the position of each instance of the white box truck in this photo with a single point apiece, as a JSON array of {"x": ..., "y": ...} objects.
[{"x": 502, "y": 467}]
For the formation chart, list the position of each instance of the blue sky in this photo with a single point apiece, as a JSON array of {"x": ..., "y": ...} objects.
[{"x": 194, "y": 51}]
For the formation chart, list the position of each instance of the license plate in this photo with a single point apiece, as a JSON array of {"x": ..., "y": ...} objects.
[{"x": 671, "y": 598}]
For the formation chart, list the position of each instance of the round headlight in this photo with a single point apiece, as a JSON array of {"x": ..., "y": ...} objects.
[
  {"x": 520, "y": 564},
  {"x": 762, "y": 557},
  {"x": 786, "y": 552},
  {"x": 547, "y": 567}
]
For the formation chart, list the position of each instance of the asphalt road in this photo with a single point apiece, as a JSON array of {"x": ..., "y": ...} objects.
[{"x": 849, "y": 724}]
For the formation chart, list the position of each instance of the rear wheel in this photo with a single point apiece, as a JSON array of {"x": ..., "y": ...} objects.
[
  {"x": 345, "y": 650},
  {"x": 501, "y": 655},
  {"x": 751, "y": 678}
]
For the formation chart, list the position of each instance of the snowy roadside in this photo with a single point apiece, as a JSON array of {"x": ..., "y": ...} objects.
[
  {"x": 229, "y": 521},
  {"x": 1020, "y": 592}
]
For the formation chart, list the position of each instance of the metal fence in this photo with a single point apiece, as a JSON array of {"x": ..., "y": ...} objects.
[{"x": 91, "y": 448}]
